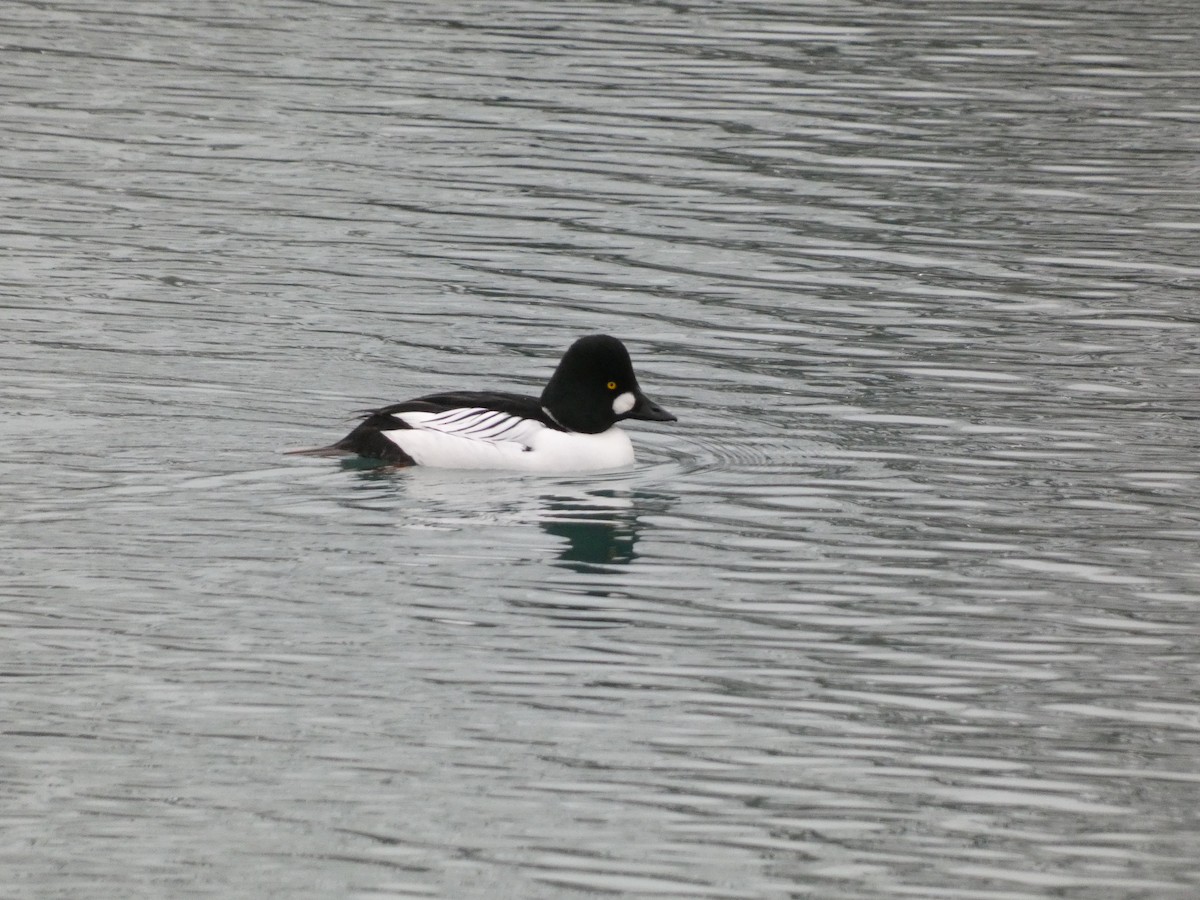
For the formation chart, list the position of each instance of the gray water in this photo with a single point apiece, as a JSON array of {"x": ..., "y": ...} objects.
[{"x": 906, "y": 603}]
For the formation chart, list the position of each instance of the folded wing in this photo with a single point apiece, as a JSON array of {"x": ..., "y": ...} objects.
[{"x": 474, "y": 423}]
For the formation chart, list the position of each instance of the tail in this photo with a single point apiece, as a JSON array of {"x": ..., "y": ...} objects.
[
  {"x": 331, "y": 450},
  {"x": 367, "y": 441}
]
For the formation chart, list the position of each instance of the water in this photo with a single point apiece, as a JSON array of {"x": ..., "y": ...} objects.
[{"x": 904, "y": 605}]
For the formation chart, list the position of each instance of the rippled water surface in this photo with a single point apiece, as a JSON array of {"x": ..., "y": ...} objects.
[{"x": 905, "y": 605}]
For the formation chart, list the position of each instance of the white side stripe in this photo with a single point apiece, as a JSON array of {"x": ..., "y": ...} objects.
[{"x": 485, "y": 425}]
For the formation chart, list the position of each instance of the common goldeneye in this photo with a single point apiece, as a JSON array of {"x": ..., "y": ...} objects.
[{"x": 570, "y": 428}]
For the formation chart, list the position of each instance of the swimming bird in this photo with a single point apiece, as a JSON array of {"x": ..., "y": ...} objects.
[{"x": 571, "y": 427}]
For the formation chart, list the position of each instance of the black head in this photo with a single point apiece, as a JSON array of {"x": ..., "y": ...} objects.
[{"x": 594, "y": 387}]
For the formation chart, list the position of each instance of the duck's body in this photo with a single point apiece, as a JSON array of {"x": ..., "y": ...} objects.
[{"x": 570, "y": 428}]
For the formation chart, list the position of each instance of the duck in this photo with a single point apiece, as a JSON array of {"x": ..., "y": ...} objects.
[{"x": 571, "y": 427}]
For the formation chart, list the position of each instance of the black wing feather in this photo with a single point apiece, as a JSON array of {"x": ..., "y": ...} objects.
[{"x": 520, "y": 405}]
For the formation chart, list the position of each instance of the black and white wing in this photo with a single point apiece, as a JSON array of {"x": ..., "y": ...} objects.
[
  {"x": 475, "y": 424},
  {"x": 462, "y": 430}
]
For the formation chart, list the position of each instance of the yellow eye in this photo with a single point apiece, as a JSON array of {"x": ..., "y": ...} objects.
[{"x": 612, "y": 385}]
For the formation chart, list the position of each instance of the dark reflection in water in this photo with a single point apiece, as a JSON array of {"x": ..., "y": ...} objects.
[
  {"x": 596, "y": 528},
  {"x": 600, "y": 531}
]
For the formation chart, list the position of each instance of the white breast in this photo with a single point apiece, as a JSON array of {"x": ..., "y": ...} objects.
[
  {"x": 487, "y": 439},
  {"x": 561, "y": 451}
]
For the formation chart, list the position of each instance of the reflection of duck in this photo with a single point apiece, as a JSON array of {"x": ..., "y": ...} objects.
[
  {"x": 591, "y": 524},
  {"x": 599, "y": 527},
  {"x": 570, "y": 428}
]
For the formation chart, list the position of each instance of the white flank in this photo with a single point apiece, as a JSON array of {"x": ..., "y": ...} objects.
[
  {"x": 487, "y": 439},
  {"x": 623, "y": 403}
]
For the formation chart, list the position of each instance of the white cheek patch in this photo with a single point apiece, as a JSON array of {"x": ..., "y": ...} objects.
[{"x": 623, "y": 403}]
